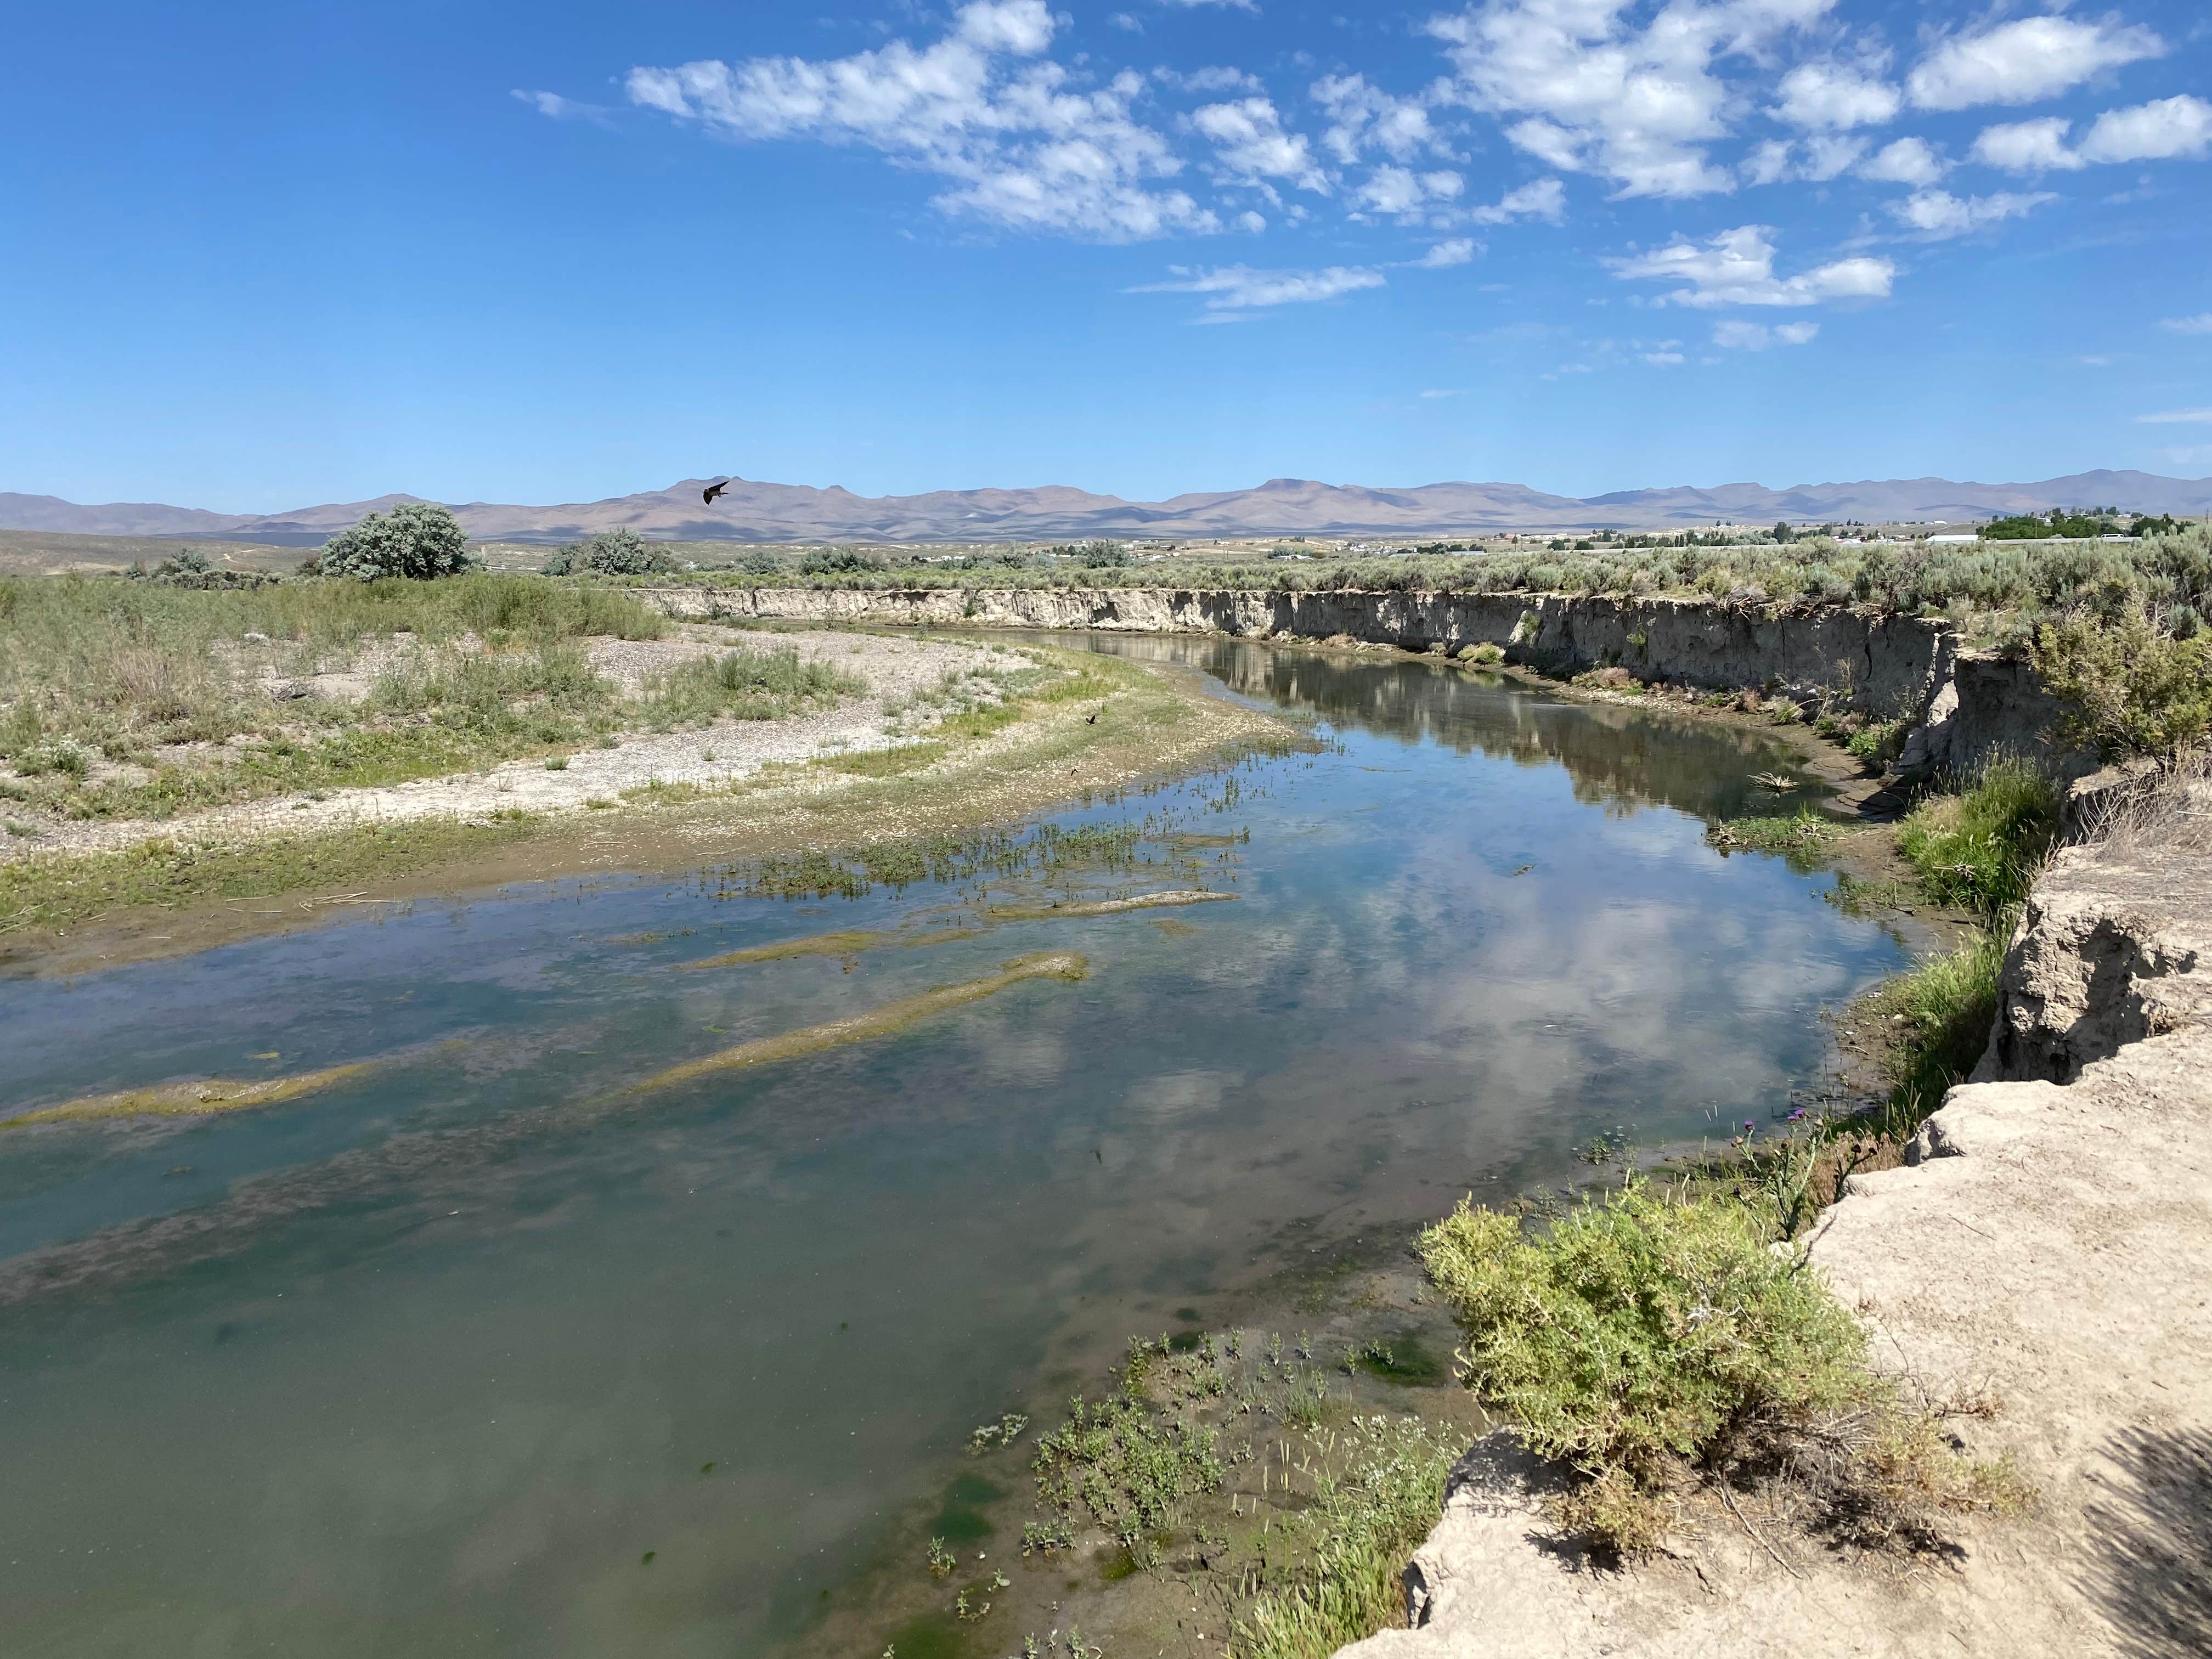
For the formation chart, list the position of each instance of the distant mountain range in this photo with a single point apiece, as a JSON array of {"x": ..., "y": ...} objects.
[{"x": 1282, "y": 507}]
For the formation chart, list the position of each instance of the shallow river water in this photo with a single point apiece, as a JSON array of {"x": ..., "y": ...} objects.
[{"x": 478, "y": 1353}]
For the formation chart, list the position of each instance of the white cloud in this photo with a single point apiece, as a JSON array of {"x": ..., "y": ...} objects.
[
  {"x": 1457, "y": 252},
  {"x": 1757, "y": 337},
  {"x": 2200, "y": 324},
  {"x": 1831, "y": 156},
  {"x": 1363, "y": 117},
  {"x": 1768, "y": 162},
  {"x": 2162, "y": 131},
  {"x": 1406, "y": 194},
  {"x": 555, "y": 107},
  {"x": 1251, "y": 221},
  {"x": 1249, "y": 139},
  {"x": 2024, "y": 61},
  {"x": 1937, "y": 213},
  {"x": 1905, "y": 162},
  {"x": 2165, "y": 129},
  {"x": 2176, "y": 417},
  {"x": 1020, "y": 145},
  {"x": 1452, "y": 392},
  {"x": 1022, "y": 27},
  {"x": 1216, "y": 77},
  {"x": 1127, "y": 22},
  {"x": 1540, "y": 198},
  {"x": 1596, "y": 92},
  {"x": 1736, "y": 268},
  {"x": 1664, "y": 359},
  {"x": 2027, "y": 146},
  {"x": 1239, "y": 287},
  {"x": 1233, "y": 5},
  {"x": 1825, "y": 97}
]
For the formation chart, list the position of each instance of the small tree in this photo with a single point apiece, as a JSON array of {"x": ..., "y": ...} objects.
[
  {"x": 622, "y": 552},
  {"x": 418, "y": 540}
]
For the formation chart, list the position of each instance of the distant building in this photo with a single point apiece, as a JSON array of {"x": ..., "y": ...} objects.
[{"x": 1939, "y": 541}]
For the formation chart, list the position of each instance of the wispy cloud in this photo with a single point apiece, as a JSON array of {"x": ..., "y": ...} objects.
[
  {"x": 2200, "y": 324},
  {"x": 1757, "y": 337},
  {"x": 1239, "y": 287},
  {"x": 1447, "y": 392},
  {"x": 2177, "y": 417},
  {"x": 1736, "y": 268},
  {"x": 554, "y": 107},
  {"x": 1937, "y": 213},
  {"x": 1540, "y": 198},
  {"x": 1457, "y": 252},
  {"x": 1021, "y": 144}
]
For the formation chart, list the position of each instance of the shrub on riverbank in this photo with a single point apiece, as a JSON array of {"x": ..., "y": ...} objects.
[{"x": 1650, "y": 1340}]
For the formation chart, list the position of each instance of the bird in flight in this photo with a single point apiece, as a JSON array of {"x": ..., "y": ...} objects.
[{"x": 708, "y": 494}]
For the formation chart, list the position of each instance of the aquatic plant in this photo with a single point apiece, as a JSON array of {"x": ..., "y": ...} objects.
[
  {"x": 1130, "y": 1470},
  {"x": 994, "y": 1437},
  {"x": 1355, "y": 1536},
  {"x": 940, "y": 1559}
]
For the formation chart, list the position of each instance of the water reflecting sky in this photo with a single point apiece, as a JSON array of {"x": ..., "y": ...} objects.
[{"x": 427, "y": 1362}]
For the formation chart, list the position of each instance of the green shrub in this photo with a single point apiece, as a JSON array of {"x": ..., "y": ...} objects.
[
  {"x": 2128, "y": 687},
  {"x": 746, "y": 684},
  {"x": 1981, "y": 849},
  {"x": 416, "y": 540},
  {"x": 1643, "y": 1334},
  {"x": 1879, "y": 742},
  {"x": 620, "y": 552}
]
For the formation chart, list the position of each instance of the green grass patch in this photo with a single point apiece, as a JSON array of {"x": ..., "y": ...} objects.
[
  {"x": 893, "y": 762},
  {"x": 62, "y": 893},
  {"x": 1980, "y": 850},
  {"x": 1943, "y": 1010},
  {"x": 1802, "y": 837},
  {"x": 1361, "y": 1527}
]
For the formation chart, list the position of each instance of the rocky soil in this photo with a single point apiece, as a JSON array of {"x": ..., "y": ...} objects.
[{"x": 2047, "y": 1255}]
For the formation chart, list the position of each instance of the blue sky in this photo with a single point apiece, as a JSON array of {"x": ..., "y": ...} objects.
[{"x": 259, "y": 256}]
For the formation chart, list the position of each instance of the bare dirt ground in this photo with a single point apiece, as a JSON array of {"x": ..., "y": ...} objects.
[
  {"x": 896, "y": 671},
  {"x": 2049, "y": 1259}
]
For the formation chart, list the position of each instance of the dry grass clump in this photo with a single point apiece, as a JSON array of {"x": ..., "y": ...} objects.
[
  {"x": 1651, "y": 1342},
  {"x": 2170, "y": 810}
]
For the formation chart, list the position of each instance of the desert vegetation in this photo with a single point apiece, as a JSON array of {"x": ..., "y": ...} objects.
[
  {"x": 1657, "y": 1343},
  {"x": 123, "y": 699}
]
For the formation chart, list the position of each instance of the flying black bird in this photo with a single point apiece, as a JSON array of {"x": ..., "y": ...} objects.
[
  {"x": 708, "y": 494},
  {"x": 1092, "y": 719}
]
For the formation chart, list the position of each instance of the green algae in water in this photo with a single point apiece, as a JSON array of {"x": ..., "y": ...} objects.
[{"x": 961, "y": 1519}]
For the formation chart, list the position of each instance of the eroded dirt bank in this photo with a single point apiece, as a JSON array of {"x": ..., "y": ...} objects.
[
  {"x": 2047, "y": 1255},
  {"x": 1965, "y": 703}
]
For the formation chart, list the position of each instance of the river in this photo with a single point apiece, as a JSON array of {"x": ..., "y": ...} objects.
[{"x": 480, "y": 1351}]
